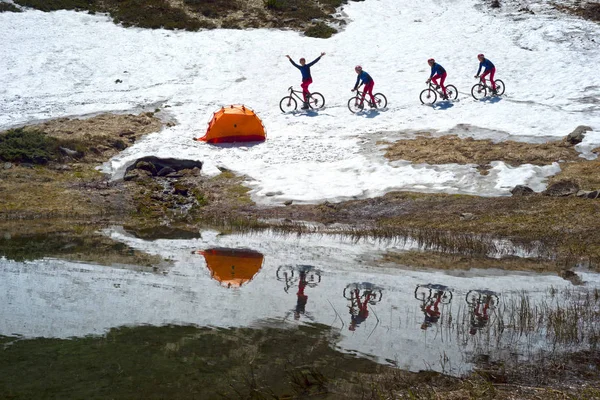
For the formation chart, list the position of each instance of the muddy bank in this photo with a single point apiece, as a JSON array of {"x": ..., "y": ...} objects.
[
  {"x": 276, "y": 361},
  {"x": 64, "y": 185}
]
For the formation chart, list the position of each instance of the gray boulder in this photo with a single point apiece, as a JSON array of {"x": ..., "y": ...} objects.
[
  {"x": 578, "y": 134},
  {"x": 562, "y": 189},
  {"x": 156, "y": 164},
  {"x": 521, "y": 190}
]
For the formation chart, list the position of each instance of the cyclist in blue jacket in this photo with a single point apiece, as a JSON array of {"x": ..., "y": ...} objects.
[
  {"x": 437, "y": 72},
  {"x": 489, "y": 69},
  {"x": 365, "y": 78},
  {"x": 306, "y": 77}
]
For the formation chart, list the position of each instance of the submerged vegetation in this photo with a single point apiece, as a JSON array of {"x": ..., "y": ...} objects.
[{"x": 279, "y": 360}]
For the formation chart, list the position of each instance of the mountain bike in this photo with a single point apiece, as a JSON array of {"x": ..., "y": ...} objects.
[
  {"x": 355, "y": 104},
  {"x": 315, "y": 100},
  {"x": 481, "y": 89},
  {"x": 363, "y": 289},
  {"x": 475, "y": 297},
  {"x": 291, "y": 274},
  {"x": 429, "y": 96},
  {"x": 425, "y": 293}
]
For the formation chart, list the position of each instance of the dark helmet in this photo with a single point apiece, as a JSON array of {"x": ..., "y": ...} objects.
[
  {"x": 358, "y": 68},
  {"x": 431, "y": 60},
  {"x": 480, "y": 55}
]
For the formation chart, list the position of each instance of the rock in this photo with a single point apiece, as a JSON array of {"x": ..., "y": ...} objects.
[
  {"x": 271, "y": 194},
  {"x": 578, "y": 134},
  {"x": 522, "y": 190},
  {"x": 126, "y": 133},
  {"x": 119, "y": 144},
  {"x": 7, "y": 165},
  {"x": 136, "y": 174},
  {"x": 562, "y": 189},
  {"x": 467, "y": 217},
  {"x": 146, "y": 166},
  {"x": 69, "y": 152},
  {"x": 583, "y": 193},
  {"x": 160, "y": 163},
  {"x": 180, "y": 190},
  {"x": 165, "y": 171},
  {"x": 288, "y": 202},
  {"x": 495, "y": 4},
  {"x": 27, "y": 165},
  {"x": 571, "y": 276},
  {"x": 62, "y": 167}
]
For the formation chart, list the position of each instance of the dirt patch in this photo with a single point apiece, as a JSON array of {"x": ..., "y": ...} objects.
[
  {"x": 587, "y": 10},
  {"x": 451, "y": 149},
  {"x": 435, "y": 260},
  {"x": 585, "y": 173}
]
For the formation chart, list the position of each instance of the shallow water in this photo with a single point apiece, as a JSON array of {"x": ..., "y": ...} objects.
[{"x": 414, "y": 319}]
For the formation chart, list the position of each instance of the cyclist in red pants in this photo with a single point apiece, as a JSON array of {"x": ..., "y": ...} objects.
[
  {"x": 489, "y": 69},
  {"x": 369, "y": 83},
  {"x": 437, "y": 72},
  {"x": 306, "y": 77}
]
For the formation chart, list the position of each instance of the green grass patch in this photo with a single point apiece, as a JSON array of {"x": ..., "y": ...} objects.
[
  {"x": 53, "y": 5},
  {"x": 7, "y": 7},
  {"x": 320, "y": 30},
  {"x": 151, "y": 14},
  {"x": 213, "y": 8},
  {"x": 19, "y": 145}
]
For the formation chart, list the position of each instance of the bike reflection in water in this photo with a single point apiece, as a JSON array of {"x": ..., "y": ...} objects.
[
  {"x": 303, "y": 275},
  {"x": 431, "y": 296},
  {"x": 481, "y": 303},
  {"x": 360, "y": 296}
]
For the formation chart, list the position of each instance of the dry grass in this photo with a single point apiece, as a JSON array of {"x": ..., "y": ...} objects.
[{"x": 452, "y": 149}]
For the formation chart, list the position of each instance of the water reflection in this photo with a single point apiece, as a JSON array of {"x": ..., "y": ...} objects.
[
  {"x": 361, "y": 295},
  {"x": 232, "y": 267},
  {"x": 431, "y": 296},
  {"x": 481, "y": 303},
  {"x": 304, "y": 276}
]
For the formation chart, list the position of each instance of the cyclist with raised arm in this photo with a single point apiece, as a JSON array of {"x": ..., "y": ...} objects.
[
  {"x": 489, "y": 69},
  {"x": 437, "y": 72},
  {"x": 306, "y": 77},
  {"x": 365, "y": 78}
]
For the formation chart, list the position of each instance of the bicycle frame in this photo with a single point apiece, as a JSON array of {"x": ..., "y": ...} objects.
[{"x": 295, "y": 94}]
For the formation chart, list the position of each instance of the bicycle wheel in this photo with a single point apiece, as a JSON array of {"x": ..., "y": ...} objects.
[
  {"x": 428, "y": 97},
  {"x": 452, "y": 92},
  {"x": 316, "y": 101},
  {"x": 355, "y": 104},
  {"x": 422, "y": 293},
  {"x": 287, "y": 104},
  {"x": 381, "y": 100},
  {"x": 472, "y": 297},
  {"x": 499, "y": 87},
  {"x": 478, "y": 91}
]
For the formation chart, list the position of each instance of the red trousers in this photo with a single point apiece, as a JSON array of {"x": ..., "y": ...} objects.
[
  {"x": 304, "y": 87},
  {"x": 491, "y": 72},
  {"x": 442, "y": 78},
  {"x": 369, "y": 89}
]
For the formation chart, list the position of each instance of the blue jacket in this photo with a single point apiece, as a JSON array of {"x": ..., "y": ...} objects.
[
  {"x": 305, "y": 69},
  {"x": 487, "y": 64},
  {"x": 364, "y": 77},
  {"x": 437, "y": 69}
]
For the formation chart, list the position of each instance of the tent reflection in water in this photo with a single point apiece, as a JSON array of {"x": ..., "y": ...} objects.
[{"x": 232, "y": 267}]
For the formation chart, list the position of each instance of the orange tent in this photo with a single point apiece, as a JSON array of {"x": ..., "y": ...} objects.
[
  {"x": 234, "y": 123},
  {"x": 232, "y": 267}
]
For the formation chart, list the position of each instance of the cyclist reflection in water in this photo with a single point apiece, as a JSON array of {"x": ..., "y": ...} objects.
[
  {"x": 302, "y": 298},
  {"x": 356, "y": 318},
  {"x": 481, "y": 302},
  {"x": 431, "y": 309}
]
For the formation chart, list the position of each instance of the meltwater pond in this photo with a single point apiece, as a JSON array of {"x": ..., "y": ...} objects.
[{"x": 413, "y": 319}]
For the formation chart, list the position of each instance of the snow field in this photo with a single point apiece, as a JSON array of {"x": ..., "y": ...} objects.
[{"x": 65, "y": 64}]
